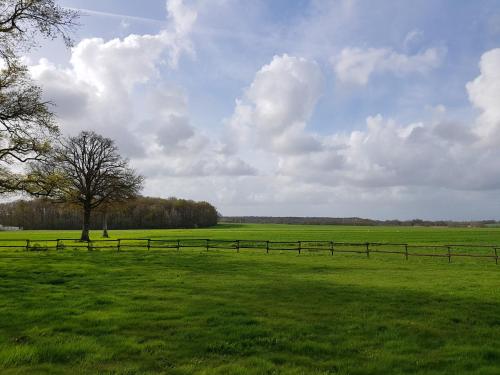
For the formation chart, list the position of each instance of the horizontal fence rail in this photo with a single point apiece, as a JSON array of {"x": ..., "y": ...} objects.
[{"x": 367, "y": 248}]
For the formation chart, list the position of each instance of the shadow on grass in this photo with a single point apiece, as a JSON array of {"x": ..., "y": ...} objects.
[
  {"x": 193, "y": 313},
  {"x": 223, "y": 225}
]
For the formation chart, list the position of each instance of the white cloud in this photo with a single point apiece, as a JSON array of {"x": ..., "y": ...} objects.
[
  {"x": 176, "y": 148},
  {"x": 357, "y": 65},
  {"x": 386, "y": 154},
  {"x": 424, "y": 167},
  {"x": 183, "y": 19},
  {"x": 295, "y": 164},
  {"x": 97, "y": 89},
  {"x": 100, "y": 91},
  {"x": 277, "y": 105},
  {"x": 484, "y": 93}
]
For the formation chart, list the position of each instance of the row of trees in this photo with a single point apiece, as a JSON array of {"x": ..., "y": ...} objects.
[
  {"x": 139, "y": 213},
  {"x": 352, "y": 221}
]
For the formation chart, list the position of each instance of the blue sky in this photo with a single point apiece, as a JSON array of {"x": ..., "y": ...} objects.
[{"x": 328, "y": 108}]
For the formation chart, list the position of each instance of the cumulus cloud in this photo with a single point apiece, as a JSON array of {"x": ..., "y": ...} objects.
[
  {"x": 357, "y": 65},
  {"x": 96, "y": 90},
  {"x": 439, "y": 154},
  {"x": 99, "y": 90},
  {"x": 420, "y": 167},
  {"x": 276, "y": 107},
  {"x": 484, "y": 92},
  {"x": 183, "y": 19},
  {"x": 388, "y": 154},
  {"x": 178, "y": 149},
  {"x": 269, "y": 126}
]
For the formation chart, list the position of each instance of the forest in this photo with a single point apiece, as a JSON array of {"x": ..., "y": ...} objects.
[
  {"x": 354, "y": 221},
  {"x": 139, "y": 213}
]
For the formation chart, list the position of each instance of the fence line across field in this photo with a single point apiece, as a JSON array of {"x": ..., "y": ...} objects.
[{"x": 444, "y": 251}]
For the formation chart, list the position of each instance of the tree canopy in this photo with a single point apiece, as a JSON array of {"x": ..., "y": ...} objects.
[{"x": 27, "y": 124}]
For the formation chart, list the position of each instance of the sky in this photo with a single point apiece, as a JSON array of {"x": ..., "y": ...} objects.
[{"x": 386, "y": 109}]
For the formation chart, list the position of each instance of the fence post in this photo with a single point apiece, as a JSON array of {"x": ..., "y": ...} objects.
[
  {"x": 267, "y": 247},
  {"x": 178, "y": 245},
  {"x": 237, "y": 246},
  {"x": 300, "y": 246},
  {"x": 406, "y": 251},
  {"x": 27, "y": 245},
  {"x": 367, "y": 250},
  {"x": 149, "y": 244},
  {"x": 57, "y": 245},
  {"x": 208, "y": 241},
  {"x": 331, "y": 247},
  {"x": 119, "y": 244},
  {"x": 449, "y": 254},
  {"x": 88, "y": 245},
  {"x": 496, "y": 256}
]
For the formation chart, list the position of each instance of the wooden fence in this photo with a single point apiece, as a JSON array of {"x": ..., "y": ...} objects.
[{"x": 331, "y": 247}]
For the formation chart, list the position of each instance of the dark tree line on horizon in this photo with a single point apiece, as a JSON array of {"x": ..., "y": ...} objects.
[
  {"x": 351, "y": 221},
  {"x": 139, "y": 213}
]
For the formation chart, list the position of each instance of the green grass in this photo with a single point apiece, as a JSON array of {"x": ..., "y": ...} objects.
[
  {"x": 276, "y": 232},
  {"x": 220, "y": 312}
]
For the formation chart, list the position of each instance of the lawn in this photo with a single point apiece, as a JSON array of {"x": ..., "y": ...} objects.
[{"x": 193, "y": 311}]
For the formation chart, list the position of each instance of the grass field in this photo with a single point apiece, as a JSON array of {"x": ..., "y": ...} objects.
[
  {"x": 251, "y": 313},
  {"x": 276, "y": 232}
]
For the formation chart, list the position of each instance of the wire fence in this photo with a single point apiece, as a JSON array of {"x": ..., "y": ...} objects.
[{"x": 364, "y": 248}]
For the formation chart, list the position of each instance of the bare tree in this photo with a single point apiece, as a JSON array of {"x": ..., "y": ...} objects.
[
  {"x": 26, "y": 123},
  {"x": 85, "y": 170},
  {"x": 22, "y": 21}
]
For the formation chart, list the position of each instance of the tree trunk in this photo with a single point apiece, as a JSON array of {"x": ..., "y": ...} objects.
[
  {"x": 105, "y": 224},
  {"x": 86, "y": 224}
]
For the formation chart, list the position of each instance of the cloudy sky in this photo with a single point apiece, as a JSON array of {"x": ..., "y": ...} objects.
[{"x": 380, "y": 109}]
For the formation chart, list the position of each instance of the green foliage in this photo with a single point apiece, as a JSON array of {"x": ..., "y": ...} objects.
[{"x": 250, "y": 313}]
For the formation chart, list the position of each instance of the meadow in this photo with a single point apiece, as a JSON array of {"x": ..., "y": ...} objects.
[{"x": 199, "y": 312}]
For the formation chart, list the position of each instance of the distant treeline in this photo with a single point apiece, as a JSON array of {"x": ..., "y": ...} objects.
[
  {"x": 140, "y": 213},
  {"x": 352, "y": 221}
]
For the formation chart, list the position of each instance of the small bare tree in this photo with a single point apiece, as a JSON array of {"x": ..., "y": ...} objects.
[
  {"x": 85, "y": 170},
  {"x": 26, "y": 123}
]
